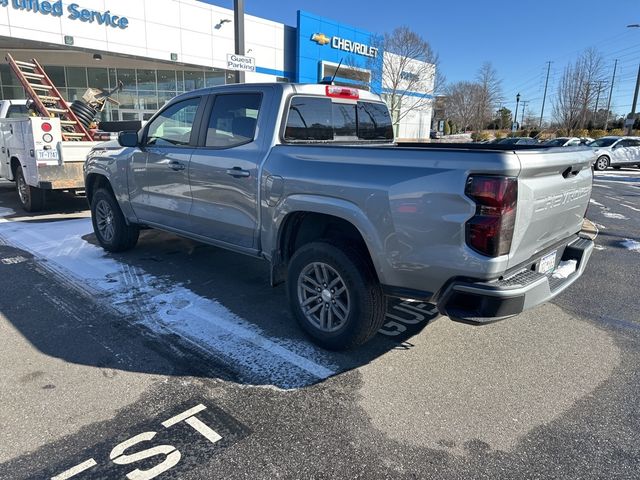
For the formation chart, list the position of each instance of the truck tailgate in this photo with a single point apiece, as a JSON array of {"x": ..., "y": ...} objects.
[{"x": 554, "y": 187}]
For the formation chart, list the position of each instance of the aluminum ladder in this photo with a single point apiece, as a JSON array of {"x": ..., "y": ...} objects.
[{"x": 47, "y": 100}]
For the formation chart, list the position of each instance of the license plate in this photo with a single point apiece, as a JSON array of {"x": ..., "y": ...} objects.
[
  {"x": 548, "y": 262},
  {"x": 47, "y": 154}
]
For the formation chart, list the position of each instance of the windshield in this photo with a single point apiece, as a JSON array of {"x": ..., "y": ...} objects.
[{"x": 603, "y": 142}]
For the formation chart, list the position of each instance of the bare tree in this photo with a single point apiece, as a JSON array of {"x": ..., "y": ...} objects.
[
  {"x": 462, "y": 103},
  {"x": 489, "y": 94},
  {"x": 578, "y": 89},
  {"x": 408, "y": 72}
]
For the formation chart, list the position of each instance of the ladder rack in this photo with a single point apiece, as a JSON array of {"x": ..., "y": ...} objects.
[{"x": 47, "y": 100}]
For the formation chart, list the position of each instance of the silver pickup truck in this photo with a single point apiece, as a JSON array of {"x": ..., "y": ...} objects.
[{"x": 308, "y": 178}]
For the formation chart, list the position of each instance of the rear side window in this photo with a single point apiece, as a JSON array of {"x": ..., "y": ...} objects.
[
  {"x": 17, "y": 111},
  {"x": 233, "y": 120},
  {"x": 320, "y": 119}
]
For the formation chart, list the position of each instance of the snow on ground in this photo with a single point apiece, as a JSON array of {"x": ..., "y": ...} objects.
[
  {"x": 631, "y": 245},
  {"x": 5, "y": 212},
  {"x": 165, "y": 307},
  {"x": 616, "y": 216},
  {"x": 597, "y": 204}
]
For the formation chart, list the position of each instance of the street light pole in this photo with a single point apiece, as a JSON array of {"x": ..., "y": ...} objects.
[
  {"x": 515, "y": 117},
  {"x": 238, "y": 17}
]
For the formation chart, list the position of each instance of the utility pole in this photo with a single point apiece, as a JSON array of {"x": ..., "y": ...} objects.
[
  {"x": 632, "y": 115},
  {"x": 238, "y": 17},
  {"x": 613, "y": 79},
  {"x": 544, "y": 97},
  {"x": 524, "y": 107},
  {"x": 515, "y": 116},
  {"x": 595, "y": 112}
]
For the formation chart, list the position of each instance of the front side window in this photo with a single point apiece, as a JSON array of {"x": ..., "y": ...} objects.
[
  {"x": 233, "y": 120},
  {"x": 174, "y": 124}
]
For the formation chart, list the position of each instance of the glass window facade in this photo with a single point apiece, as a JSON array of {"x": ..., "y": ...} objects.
[{"x": 144, "y": 91}]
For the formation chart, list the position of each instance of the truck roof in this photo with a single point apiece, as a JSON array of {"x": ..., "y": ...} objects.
[{"x": 299, "y": 88}]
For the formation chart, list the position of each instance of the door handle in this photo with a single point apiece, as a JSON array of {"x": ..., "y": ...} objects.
[
  {"x": 238, "y": 172},
  {"x": 177, "y": 166}
]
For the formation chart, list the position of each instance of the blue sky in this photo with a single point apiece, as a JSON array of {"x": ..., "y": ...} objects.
[{"x": 518, "y": 38}]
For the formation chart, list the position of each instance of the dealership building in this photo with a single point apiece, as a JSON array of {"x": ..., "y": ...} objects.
[{"x": 160, "y": 48}]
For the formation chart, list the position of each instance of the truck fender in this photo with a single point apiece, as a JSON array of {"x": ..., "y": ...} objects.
[{"x": 336, "y": 207}]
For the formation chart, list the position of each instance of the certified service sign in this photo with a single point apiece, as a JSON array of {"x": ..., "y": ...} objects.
[{"x": 240, "y": 63}]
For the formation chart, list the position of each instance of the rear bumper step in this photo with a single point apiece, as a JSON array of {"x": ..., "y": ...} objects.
[{"x": 484, "y": 302}]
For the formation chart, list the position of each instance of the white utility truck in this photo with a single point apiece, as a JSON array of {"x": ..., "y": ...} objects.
[
  {"x": 44, "y": 139},
  {"x": 34, "y": 155}
]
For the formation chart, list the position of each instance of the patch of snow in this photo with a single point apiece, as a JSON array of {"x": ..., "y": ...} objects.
[
  {"x": 616, "y": 216},
  {"x": 5, "y": 212},
  {"x": 165, "y": 307},
  {"x": 593, "y": 202},
  {"x": 599, "y": 247},
  {"x": 631, "y": 245},
  {"x": 564, "y": 269},
  {"x": 630, "y": 207}
]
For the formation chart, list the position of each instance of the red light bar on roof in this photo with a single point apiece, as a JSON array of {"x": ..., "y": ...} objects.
[{"x": 342, "y": 92}]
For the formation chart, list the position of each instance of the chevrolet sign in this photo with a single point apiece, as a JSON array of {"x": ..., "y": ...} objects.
[{"x": 345, "y": 45}]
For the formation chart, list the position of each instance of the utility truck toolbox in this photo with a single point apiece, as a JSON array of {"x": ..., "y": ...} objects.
[{"x": 308, "y": 178}]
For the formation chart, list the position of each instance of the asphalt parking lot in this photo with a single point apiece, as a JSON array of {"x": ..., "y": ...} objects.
[{"x": 177, "y": 360}]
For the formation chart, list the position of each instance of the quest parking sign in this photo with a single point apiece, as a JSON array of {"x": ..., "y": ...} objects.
[{"x": 240, "y": 63}]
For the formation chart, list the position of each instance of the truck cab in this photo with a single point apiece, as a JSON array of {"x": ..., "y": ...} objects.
[{"x": 13, "y": 109}]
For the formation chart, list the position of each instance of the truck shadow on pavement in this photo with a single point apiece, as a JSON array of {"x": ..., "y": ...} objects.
[{"x": 204, "y": 311}]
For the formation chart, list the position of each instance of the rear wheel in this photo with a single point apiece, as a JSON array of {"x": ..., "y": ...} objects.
[
  {"x": 335, "y": 295},
  {"x": 109, "y": 225},
  {"x": 31, "y": 198},
  {"x": 601, "y": 163}
]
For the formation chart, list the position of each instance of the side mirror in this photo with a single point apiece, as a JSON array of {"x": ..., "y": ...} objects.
[{"x": 128, "y": 139}]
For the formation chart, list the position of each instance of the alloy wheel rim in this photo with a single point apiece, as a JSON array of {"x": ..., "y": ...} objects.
[
  {"x": 323, "y": 297},
  {"x": 23, "y": 190},
  {"x": 602, "y": 163},
  {"x": 104, "y": 220}
]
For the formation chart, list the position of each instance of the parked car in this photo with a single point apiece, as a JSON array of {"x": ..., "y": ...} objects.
[
  {"x": 616, "y": 152},
  {"x": 563, "y": 142},
  {"x": 345, "y": 216},
  {"x": 517, "y": 141}
]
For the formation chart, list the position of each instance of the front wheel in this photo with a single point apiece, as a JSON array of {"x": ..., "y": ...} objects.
[
  {"x": 31, "y": 198},
  {"x": 111, "y": 229},
  {"x": 335, "y": 295},
  {"x": 601, "y": 163}
]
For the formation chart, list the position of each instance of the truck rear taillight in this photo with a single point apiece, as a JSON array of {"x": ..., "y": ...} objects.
[
  {"x": 342, "y": 92},
  {"x": 46, "y": 127},
  {"x": 490, "y": 230}
]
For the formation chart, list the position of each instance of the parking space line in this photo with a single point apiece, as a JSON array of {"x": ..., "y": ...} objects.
[
  {"x": 183, "y": 416},
  {"x": 76, "y": 470}
]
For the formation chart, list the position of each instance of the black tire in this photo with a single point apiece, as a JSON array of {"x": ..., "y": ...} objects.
[
  {"x": 111, "y": 229},
  {"x": 601, "y": 163},
  {"x": 366, "y": 300},
  {"x": 31, "y": 198}
]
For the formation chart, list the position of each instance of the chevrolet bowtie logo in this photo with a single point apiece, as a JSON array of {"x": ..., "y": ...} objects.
[{"x": 320, "y": 38}]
